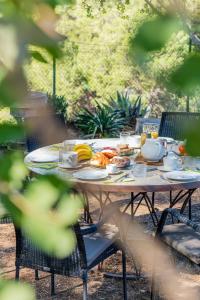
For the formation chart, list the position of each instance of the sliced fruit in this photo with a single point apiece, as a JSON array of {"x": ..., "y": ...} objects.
[{"x": 81, "y": 146}]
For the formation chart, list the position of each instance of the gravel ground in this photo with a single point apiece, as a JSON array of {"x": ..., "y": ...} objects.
[{"x": 99, "y": 287}]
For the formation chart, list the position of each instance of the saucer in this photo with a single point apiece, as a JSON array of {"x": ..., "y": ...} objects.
[
  {"x": 63, "y": 166},
  {"x": 115, "y": 173},
  {"x": 165, "y": 169}
]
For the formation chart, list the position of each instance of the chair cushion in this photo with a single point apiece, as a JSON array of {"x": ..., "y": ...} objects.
[
  {"x": 183, "y": 239},
  {"x": 96, "y": 245}
]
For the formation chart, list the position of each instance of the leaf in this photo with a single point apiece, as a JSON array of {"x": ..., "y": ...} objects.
[
  {"x": 192, "y": 135},
  {"x": 152, "y": 36},
  {"x": 15, "y": 290},
  {"x": 36, "y": 55},
  {"x": 13, "y": 169},
  {"x": 10, "y": 132},
  {"x": 186, "y": 77},
  {"x": 13, "y": 88},
  {"x": 48, "y": 236}
]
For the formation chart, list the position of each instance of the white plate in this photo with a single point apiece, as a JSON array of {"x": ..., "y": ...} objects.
[
  {"x": 115, "y": 173},
  {"x": 91, "y": 174},
  {"x": 182, "y": 176},
  {"x": 63, "y": 166},
  {"x": 43, "y": 157},
  {"x": 165, "y": 169}
]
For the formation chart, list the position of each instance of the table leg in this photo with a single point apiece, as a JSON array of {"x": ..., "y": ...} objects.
[{"x": 186, "y": 196}]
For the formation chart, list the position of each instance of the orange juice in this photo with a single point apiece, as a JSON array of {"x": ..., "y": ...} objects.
[
  {"x": 154, "y": 135},
  {"x": 143, "y": 138}
]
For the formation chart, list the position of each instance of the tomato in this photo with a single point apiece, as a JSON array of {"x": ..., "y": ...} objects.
[{"x": 182, "y": 149}]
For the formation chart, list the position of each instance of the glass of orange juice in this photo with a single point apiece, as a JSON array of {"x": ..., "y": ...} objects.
[
  {"x": 143, "y": 138},
  {"x": 154, "y": 134}
]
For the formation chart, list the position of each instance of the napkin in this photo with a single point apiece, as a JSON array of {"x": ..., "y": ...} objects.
[
  {"x": 55, "y": 147},
  {"x": 49, "y": 165}
]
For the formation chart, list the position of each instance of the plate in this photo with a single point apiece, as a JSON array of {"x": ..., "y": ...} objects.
[
  {"x": 182, "y": 176},
  {"x": 165, "y": 169},
  {"x": 63, "y": 166},
  {"x": 41, "y": 157},
  {"x": 115, "y": 173},
  {"x": 91, "y": 175}
]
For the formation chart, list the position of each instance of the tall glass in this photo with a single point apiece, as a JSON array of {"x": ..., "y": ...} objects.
[
  {"x": 143, "y": 138},
  {"x": 68, "y": 145},
  {"x": 125, "y": 137}
]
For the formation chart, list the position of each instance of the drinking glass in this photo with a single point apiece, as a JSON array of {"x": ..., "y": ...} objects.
[
  {"x": 139, "y": 170},
  {"x": 69, "y": 159},
  {"x": 154, "y": 134},
  {"x": 143, "y": 138},
  {"x": 124, "y": 137},
  {"x": 68, "y": 145},
  {"x": 189, "y": 162}
]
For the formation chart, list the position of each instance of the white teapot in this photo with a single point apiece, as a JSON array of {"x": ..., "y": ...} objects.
[{"x": 153, "y": 150}]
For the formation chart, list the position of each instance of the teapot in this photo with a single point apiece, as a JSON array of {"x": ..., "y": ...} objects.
[{"x": 153, "y": 150}]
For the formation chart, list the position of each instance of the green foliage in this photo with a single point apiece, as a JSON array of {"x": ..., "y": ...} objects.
[
  {"x": 127, "y": 109},
  {"x": 59, "y": 103},
  {"x": 103, "y": 121},
  {"x": 23, "y": 23},
  {"x": 95, "y": 63},
  {"x": 186, "y": 77},
  {"x": 15, "y": 290}
]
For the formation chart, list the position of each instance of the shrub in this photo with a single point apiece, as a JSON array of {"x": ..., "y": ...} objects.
[
  {"x": 59, "y": 103},
  {"x": 129, "y": 110},
  {"x": 102, "y": 122}
]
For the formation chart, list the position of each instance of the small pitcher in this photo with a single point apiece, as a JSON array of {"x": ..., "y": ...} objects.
[{"x": 172, "y": 162}]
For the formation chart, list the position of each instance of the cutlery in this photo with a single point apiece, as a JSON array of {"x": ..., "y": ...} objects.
[{"x": 123, "y": 176}]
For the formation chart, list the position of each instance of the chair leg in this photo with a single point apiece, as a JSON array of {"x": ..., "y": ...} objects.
[
  {"x": 17, "y": 273},
  {"x": 84, "y": 278},
  {"x": 153, "y": 288},
  {"x": 53, "y": 292},
  {"x": 124, "y": 275},
  {"x": 36, "y": 275}
]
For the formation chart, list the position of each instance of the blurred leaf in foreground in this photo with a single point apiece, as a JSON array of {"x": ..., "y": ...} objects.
[
  {"x": 192, "y": 134},
  {"x": 49, "y": 211},
  {"x": 36, "y": 55},
  {"x": 12, "y": 170},
  {"x": 13, "y": 88},
  {"x": 186, "y": 78},
  {"x": 10, "y": 132},
  {"x": 152, "y": 36},
  {"x": 15, "y": 291}
]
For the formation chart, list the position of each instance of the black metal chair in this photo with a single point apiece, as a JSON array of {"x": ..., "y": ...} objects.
[
  {"x": 173, "y": 124},
  {"x": 92, "y": 248},
  {"x": 183, "y": 236}
]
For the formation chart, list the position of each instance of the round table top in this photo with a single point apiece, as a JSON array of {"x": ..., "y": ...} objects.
[{"x": 153, "y": 182}]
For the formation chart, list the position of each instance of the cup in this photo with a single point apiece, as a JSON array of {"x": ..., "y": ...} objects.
[
  {"x": 111, "y": 168},
  {"x": 68, "y": 159},
  {"x": 124, "y": 137},
  {"x": 139, "y": 170},
  {"x": 172, "y": 163}
]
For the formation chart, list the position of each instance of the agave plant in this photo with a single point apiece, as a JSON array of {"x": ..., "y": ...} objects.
[
  {"x": 102, "y": 122},
  {"x": 126, "y": 108}
]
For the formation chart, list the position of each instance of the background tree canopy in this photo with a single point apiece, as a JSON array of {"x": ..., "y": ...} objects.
[{"x": 96, "y": 62}]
